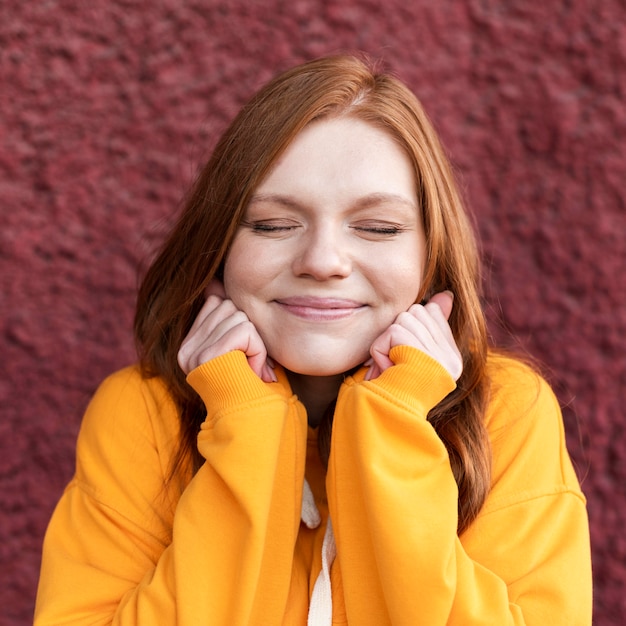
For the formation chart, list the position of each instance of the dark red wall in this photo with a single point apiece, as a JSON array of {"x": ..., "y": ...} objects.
[{"x": 107, "y": 111}]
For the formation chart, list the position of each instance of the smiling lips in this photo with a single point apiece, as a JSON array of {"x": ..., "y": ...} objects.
[{"x": 319, "y": 309}]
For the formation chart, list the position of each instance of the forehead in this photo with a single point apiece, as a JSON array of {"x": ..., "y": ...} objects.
[{"x": 342, "y": 154}]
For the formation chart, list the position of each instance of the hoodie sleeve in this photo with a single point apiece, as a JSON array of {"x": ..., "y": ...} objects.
[
  {"x": 119, "y": 548},
  {"x": 393, "y": 501}
]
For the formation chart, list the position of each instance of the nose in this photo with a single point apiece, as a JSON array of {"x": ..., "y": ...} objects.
[{"x": 323, "y": 255}]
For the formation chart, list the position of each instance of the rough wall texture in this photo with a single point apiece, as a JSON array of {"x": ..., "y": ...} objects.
[{"x": 108, "y": 107}]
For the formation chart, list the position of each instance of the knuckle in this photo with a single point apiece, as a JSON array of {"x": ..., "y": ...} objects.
[
  {"x": 183, "y": 352},
  {"x": 416, "y": 309},
  {"x": 183, "y": 362},
  {"x": 213, "y": 299},
  {"x": 403, "y": 317},
  {"x": 239, "y": 317},
  {"x": 248, "y": 326}
]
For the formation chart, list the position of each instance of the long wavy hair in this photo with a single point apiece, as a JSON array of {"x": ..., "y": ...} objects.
[{"x": 172, "y": 291}]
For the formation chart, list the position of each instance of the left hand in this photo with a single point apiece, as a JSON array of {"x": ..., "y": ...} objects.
[
  {"x": 424, "y": 327},
  {"x": 220, "y": 328}
]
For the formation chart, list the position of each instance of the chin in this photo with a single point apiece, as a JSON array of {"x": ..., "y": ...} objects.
[{"x": 322, "y": 367}]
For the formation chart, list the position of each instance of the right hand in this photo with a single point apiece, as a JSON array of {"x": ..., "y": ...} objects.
[
  {"x": 425, "y": 328},
  {"x": 221, "y": 327}
]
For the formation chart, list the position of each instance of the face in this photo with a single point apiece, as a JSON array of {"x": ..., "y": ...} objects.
[{"x": 331, "y": 248}]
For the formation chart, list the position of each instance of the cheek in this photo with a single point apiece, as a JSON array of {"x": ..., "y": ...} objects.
[
  {"x": 235, "y": 272},
  {"x": 401, "y": 284},
  {"x": 400, "y": 278},
  {"x": 246, "y": 272}
]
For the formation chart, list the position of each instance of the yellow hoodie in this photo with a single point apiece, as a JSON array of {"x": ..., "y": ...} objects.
[{"x": 238, "y": 544}]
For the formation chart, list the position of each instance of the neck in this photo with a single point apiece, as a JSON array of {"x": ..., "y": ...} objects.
[{"x": 315, "y": 393}]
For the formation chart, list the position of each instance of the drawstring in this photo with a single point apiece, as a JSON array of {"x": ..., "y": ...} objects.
[
  {"x": 310, "y": 515},
  {"x": 321, "y": 607}
]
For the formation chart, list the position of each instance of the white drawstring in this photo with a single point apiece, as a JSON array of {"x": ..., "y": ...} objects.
[
  {"x": 321, "y": 607},
  {"x": 310, "y": 515}
]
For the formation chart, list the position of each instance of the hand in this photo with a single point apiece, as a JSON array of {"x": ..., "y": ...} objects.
[
  {"x": 424, "y": 327},
  {"x": 221, "y": 327}
]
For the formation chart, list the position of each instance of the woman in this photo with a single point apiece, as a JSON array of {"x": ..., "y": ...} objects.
[{"x": 317, "y": 431}]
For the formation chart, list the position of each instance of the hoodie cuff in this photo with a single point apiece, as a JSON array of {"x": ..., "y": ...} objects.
[
  {"x": 416, "y": 379},
  {"x": 227, "y": 381}
]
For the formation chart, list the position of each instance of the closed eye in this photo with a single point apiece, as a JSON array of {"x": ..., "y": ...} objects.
[
  {"x": 377, "y": 228},
  {"x": 269, "y": 227}
]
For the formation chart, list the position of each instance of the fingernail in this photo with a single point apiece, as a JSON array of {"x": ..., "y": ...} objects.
[
  {"x": 269, "y": 375},
  {"x": 265, "y": 374}
]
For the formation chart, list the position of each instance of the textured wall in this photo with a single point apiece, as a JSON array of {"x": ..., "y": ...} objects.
[{"x": 108, "y": 107}]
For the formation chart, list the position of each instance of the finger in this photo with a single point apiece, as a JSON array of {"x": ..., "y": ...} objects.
[
  {"x": 394, "y": 335},
  {"x": 210, "y": 306},
  {"x": 373, "y": 372},
  {"x": 212, "y": 329},
  {"x": 432, "y": 320},
  {"x": 409, "y": 331},
  {"x": 254, "y": 349},
  {"x": 247, "y": 339},
  {"x": 215, "y": 318},
  {"x": 380, "y": 352},
  {"x": 268, "y": 375},
  {"x": 231, "y": 336},
  {"x": 215, "y": 288},
  {"x": 444, "y": 300},
  {"x": 439, "y": 342},
  {"x": 423, "y": 325},
  {"x": 406, "y": 330},
  {"x": 214, "y": 312}
]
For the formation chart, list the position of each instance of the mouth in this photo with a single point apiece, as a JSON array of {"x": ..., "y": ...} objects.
[{"x": 320, "y": 309}]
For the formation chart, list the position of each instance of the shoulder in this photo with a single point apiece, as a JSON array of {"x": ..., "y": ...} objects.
[
  {"x": 526, "y": 430},
  {"x": 126, "y": 391},
  {"x": 130, "y": 421},
  {"x": 516, "y": 390},
  {"x": 128, "y": 384}
]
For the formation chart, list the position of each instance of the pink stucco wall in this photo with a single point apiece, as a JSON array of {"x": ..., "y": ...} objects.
[{"x": 108, "y": 107}]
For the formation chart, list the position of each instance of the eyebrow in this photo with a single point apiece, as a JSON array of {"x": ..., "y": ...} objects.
[{"x": 370, "y": 200}]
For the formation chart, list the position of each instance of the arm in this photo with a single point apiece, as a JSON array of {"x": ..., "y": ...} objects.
[
  {"x": 393, "y": 501},
  {"x": 117, "y": 553}
]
